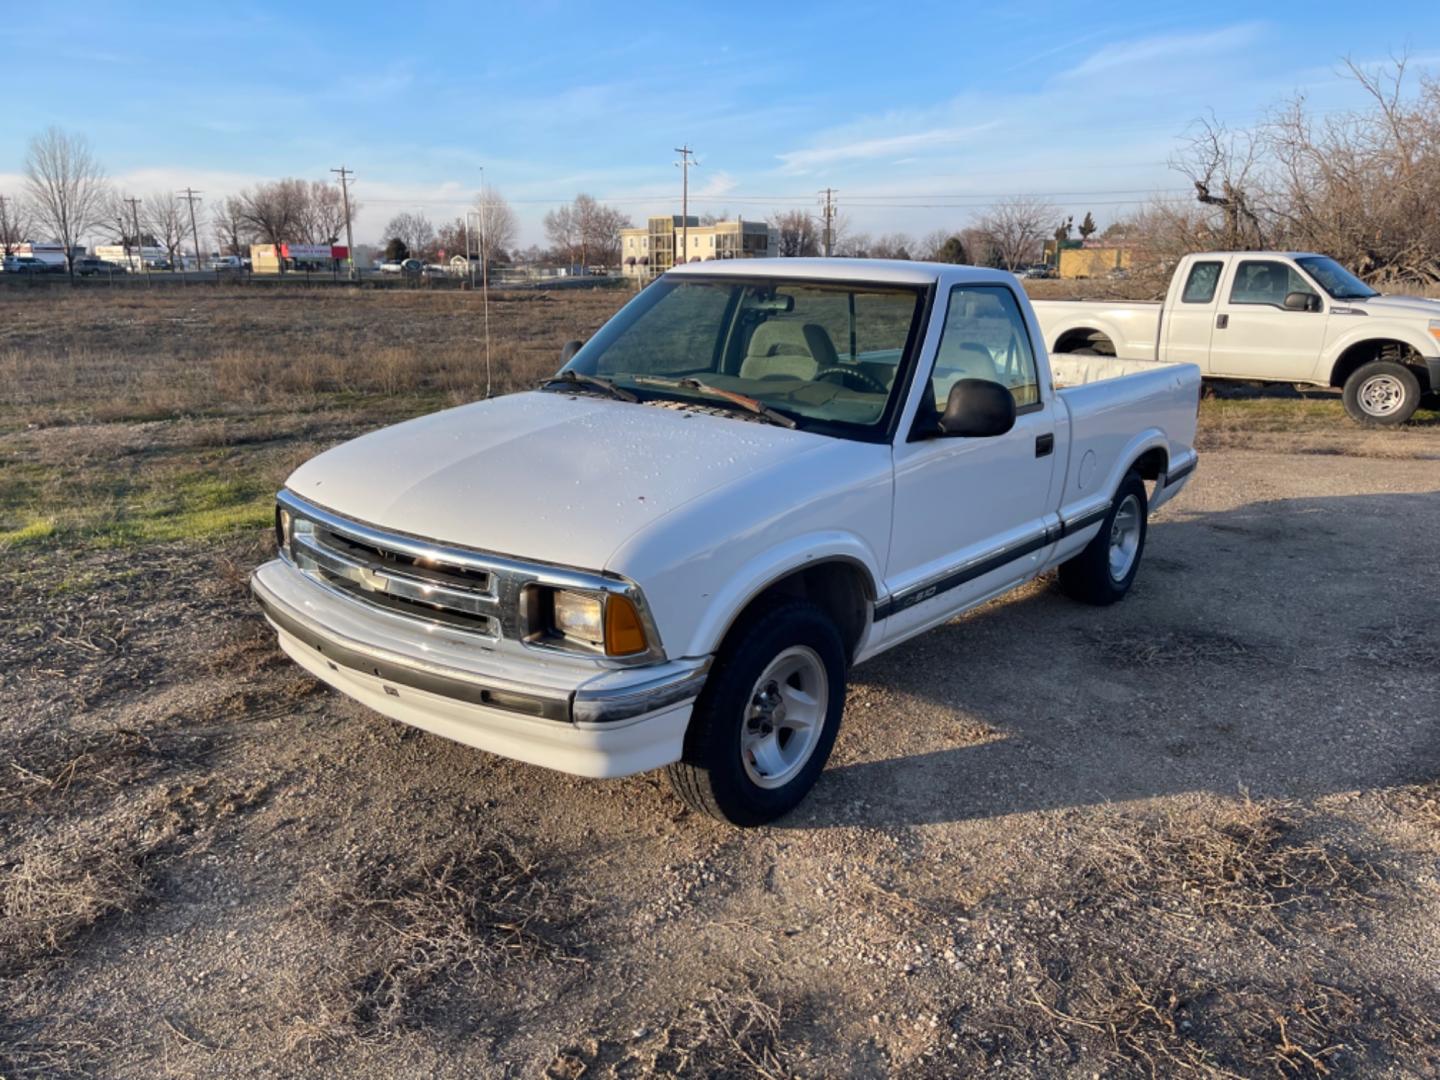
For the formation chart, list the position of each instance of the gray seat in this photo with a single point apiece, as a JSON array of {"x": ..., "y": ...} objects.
[{"x": 783, "y": 349}]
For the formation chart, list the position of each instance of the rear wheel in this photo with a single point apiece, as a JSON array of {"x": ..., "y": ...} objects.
[
  {"x": 763, "y": 728},
  {"x": 1106, "y": 567},
  {"x": 1382, "y": 392}
]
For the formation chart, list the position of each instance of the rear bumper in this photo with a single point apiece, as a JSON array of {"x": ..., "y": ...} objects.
[{"x": 595, "y": 724}]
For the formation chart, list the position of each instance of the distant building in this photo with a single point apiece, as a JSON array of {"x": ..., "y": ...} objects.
[
  {"x": 54, "y": 254},
  {"x": 288, "y": 258},
  {"x": 1095, "y": 259},
  {"x": 669, "y": 239}
]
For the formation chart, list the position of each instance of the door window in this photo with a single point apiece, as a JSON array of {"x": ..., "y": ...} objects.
[
  {"x": 1200, "y": 285},
  {"x": 985, "y": 337},
  {"x": 1261, "y": 281}
]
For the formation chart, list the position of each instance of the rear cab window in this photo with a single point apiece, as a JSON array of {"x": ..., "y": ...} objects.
[{"x": 1200, "y": 285}]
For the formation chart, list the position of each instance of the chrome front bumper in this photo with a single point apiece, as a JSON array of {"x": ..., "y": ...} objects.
[{"x": 475, "y": 696}]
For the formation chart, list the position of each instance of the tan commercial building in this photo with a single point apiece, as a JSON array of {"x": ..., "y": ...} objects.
[
  {"x": 668, "y": 239},
  {"x": 1097, "y": 261}
]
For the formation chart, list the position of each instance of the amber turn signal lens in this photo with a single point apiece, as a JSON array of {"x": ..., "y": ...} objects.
[{"x": 624, "y": 636}]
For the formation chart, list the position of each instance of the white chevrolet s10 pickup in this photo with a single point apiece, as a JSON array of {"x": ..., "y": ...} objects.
[{"x": 756, "y": 475}]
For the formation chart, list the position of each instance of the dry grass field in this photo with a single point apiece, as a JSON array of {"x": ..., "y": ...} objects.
[{"x": 1194, "y": 835}]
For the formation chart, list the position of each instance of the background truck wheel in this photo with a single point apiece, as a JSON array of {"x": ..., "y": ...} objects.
[
  {"x": 1103, "y": 572},
  {"x": 1382, "y": 392},
  {"x": 764, "y": 725}
]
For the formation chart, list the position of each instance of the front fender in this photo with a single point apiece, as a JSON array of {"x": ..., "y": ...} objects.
[
  {"x": 767, "y": 568},
  {"x": 1375, "y": 329}
]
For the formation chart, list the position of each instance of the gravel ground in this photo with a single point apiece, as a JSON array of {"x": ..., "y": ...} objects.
[{"x": 1194, "y": 834}]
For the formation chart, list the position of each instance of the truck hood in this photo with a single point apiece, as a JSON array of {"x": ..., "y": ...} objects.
[
  {"x": 549, "y": 476},
  {"x": 1397, "y": 306}
]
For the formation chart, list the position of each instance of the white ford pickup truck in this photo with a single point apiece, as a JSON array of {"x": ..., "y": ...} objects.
[
  {"x": 757, "y": 474},
  {"x": 1270, "y": 316}
]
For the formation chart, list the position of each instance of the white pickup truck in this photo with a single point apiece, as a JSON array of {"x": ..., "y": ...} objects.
[
  {"x": 756, "y": 475},
  {"x": 1270, "y": 316}
]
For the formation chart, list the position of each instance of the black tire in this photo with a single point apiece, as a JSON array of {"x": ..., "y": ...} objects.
[
  {"x": 1088, "y": 576},
  {"x": 712, "y": 778},
  {"x": 1382, "y": 393}
]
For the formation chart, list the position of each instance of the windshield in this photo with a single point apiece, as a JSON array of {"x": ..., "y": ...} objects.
[
  {"x": 1335, "y": 279},
  {"x": 829, "y": 356}
]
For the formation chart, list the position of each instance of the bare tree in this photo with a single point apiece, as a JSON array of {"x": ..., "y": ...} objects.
[
  {"x": 163, "y": 217},
  {"x": 892, "y": 246},
  {"x": 274, "y": 213},
  {"x": 232, "y": 234},
  {"x": 415, "y": 232},
  {"x": 496, "y": 227},
  {"x": 66, "y": 186},
  {"x": 797, "y": 232},
  {"x": 853, "y": 245},
  {"x": 1015, "y": 228},
  {"x": 17, "y": 221},
  {"x": 563, "y": 232},
  {"x": 322, "y": 220},
  {"x": 586, "y": 231}
]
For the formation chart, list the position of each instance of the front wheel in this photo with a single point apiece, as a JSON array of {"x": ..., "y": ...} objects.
[
  {"x": 763, "y": 728},
  {"x": 1382, "y": 392},
  {"x": 1106, "y": 567}
]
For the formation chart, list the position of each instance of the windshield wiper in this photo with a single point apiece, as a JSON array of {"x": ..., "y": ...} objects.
[
  {"x": 575, "y": 378},
  {"x": 759, "y": 408}
]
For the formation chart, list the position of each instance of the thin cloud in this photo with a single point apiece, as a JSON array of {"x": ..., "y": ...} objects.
[
  {"x": 1147, "y": 51},
  {"x": 801, "y": 161}
]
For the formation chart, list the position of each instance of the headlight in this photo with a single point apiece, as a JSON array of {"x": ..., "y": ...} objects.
[
  {"x": 594, "y": 622},
  {"x": 579, "y": 617}
]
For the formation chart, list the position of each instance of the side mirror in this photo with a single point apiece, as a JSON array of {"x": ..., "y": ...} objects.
[
  {"x": 978, "y": 409},
  {"x": 568, "y": 350},
  {"x": 1302, "y": 301}
]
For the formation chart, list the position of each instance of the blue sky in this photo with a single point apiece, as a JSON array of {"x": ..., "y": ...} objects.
[{"x": 919, "y": 114}]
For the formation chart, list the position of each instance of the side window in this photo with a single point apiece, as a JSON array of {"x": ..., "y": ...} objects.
[
  {"x": 985, "y": 337},
  {"x": 1261, "y": 281},
  {"x": 1200, "y": 285}
]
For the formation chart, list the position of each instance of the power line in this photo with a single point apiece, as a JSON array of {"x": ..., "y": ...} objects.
[
  {"x": 345, "y": 177},
  {"x": 685, "y": 165},
  {"x": 139, "y": 240},
  {"x": 191, "y": 197},
  {"x": 829, "y": 218}
]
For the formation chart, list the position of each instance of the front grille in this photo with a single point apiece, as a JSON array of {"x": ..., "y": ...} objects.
[{"x": 421, "y": 587}]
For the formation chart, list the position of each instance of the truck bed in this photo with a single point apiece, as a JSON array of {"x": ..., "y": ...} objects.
[{"x": 1131, "y": 325}]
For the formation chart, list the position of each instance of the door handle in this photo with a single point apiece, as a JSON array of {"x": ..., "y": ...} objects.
[
  {"x": 1044, "y": 444},
  {"x": 1222, "y": 321}
]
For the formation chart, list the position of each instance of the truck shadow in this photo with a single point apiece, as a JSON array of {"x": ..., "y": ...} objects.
[{"x": 1286, "y": 647}]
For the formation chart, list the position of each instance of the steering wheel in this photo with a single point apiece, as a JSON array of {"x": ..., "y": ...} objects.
[{"x": 869, "y": 384}]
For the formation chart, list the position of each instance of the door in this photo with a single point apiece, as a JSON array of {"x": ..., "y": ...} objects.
[
  {"x": 1255, "y": 335},
  {"x": 971, "y": 514},
  {"x": 1190, "y": 319}
]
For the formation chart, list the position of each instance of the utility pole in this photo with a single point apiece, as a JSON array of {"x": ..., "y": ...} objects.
[
  {"x": 829, "y": 194},
  {"x": 345, "y": 177},
  {"x": 139, "y": 240},
  {"x": 191, "y": 197},
  {"x": 684, "y": 165}
]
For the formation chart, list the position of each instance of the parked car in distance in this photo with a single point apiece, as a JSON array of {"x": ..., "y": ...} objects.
[
  {"x": 226, "y": 262},
  {"x": 1270, "y": 316},
  {"x": 756, "y": 475},
  {"x": 90, "y": 266},
  {"x": 405, "y": 266},
  {"x": 26, "y": 264}
]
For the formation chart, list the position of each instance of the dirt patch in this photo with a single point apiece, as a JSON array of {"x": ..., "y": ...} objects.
[{"x": 411, "y": 936}]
